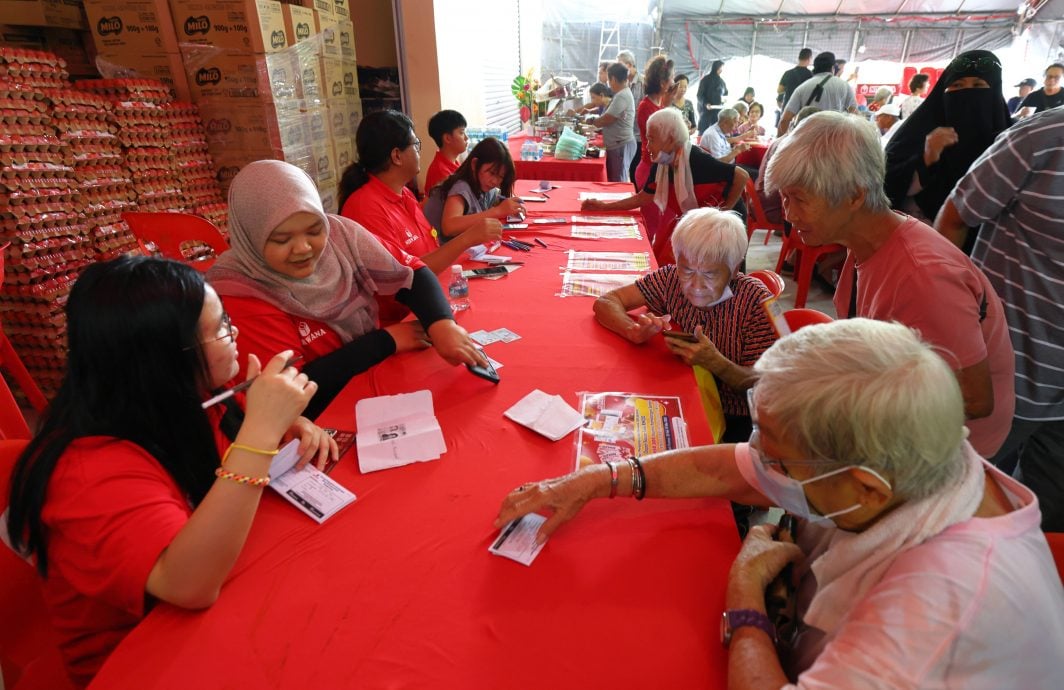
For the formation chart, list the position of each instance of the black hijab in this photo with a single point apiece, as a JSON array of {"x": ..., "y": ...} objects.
[{"x": 978, "y": 116}]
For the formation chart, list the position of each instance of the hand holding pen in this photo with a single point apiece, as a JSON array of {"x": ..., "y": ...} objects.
[{"x": 252, "y": 375}]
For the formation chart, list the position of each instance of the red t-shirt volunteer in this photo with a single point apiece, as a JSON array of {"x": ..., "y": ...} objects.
[
  {"x": 439, "y": 170},
  {"x": 111, "y": 511},
  {"x": 398, "y": 222}
]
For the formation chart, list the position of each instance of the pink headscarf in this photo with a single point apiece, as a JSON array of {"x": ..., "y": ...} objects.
[{"x": 352, "y": 268}]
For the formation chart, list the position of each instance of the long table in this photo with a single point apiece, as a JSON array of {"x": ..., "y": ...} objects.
[
  {"x": 398, "y": 590},
  {"x": 551, "y": 168}
]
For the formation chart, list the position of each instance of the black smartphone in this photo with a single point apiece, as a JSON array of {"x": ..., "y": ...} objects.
[
  {"x": 487, "y": 373},
  {"x": 680, "y": 335},
  {"x": 490, "y": 271}
]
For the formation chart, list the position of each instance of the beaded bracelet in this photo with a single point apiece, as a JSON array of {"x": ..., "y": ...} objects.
[
  {"x": 223, "y": 473},
  {"x": 642, "y": 489},
  {"x": 613, "y": 478},
  {"x": 256, "y": 451}
]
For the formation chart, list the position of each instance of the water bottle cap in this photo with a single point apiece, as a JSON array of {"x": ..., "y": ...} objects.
[{"x": 457, "y": 268}]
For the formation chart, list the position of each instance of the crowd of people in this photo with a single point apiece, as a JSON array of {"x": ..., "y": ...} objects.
[{"x": 918, "y": 438}]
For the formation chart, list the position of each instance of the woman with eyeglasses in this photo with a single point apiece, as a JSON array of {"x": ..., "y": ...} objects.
[
  {"x": 296, "y": 278},
  {"x": 916, "y": 563},
  {"x": 933, "y": 148},
  {"x": 374, "y": 193},
  {"x": 131, "y": 493}
]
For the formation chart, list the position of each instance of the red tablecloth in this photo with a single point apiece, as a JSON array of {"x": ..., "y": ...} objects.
[
  {"x": 564, "y": 198},
  {"x": 753, "y": 156},
  {"x": 550, "y": 168},
  {"x": 399, "y": 591}
]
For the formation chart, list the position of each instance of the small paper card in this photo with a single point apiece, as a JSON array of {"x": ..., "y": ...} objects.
[
  {"x": 614, "y": 231},
  {"x": 604, "y": 219},
  {"x": 545, "y": 414},
  {"x": 396, "y": 430},
  {"x": 483, "y": 337},
  {"x": 603, "y": 196},
  {"x": 517, "y": 541},
  {"x": 505, "y": 335},
  {"x": 309, "y": 489}
]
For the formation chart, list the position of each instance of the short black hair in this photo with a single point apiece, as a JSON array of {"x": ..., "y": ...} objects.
[
  {"x": 601, "y": 90},
  {"x": 917, "y": 82},
  {"x": 805, "y": 54},
  {"x": 444, "y": 122},
  {"x": 824, "y": 62},
  {"x": 618, "y": 71},
  {"x": 1055, "y": 64}
]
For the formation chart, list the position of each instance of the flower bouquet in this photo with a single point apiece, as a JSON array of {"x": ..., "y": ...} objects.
[{"x": 524, "y": 89}]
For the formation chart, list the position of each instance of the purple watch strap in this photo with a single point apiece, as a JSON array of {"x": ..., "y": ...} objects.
[{"x": 741, "y": 618}]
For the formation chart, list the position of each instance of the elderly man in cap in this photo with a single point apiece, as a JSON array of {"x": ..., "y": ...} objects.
[
  {"x": 887, "y": 120},
  {"x": 1026, "y": 86}
]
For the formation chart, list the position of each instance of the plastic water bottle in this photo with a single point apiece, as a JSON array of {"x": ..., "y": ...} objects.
[
  {"x": 539, "y": 151},
  {"x": 458, "y": 290}
]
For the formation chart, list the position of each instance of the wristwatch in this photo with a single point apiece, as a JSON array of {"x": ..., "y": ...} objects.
[{"x": 733, "y": 619}]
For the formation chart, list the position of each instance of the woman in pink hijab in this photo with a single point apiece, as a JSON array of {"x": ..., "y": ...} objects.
[{"x": 297, "y": 278}]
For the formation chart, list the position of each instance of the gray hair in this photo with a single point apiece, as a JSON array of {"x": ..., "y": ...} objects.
[
  {"x": 883, "y": 92},
  {"x": 627, "y": 57},
  {"x": 710, "y": 236},
  {"x": 833, "y": 156},
  {"x": 669, "y": 122},
  {"x": 741, "y": 107},
  {"x": 871, "y": 393},
  {"x": 728, "y": 114}
]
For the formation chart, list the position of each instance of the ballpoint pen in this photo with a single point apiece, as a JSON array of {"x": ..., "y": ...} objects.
[{"x": 225, "y": 395}]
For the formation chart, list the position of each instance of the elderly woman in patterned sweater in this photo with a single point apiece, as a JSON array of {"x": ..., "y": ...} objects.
[{"x": 703, "y": 294}]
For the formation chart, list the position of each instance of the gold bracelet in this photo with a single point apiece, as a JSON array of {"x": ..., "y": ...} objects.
[
  {"x": 223, "y": 473},
  {"x": 256, "y": 451}
]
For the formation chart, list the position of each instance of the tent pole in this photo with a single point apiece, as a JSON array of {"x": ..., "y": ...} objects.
[
  {"x": 856, "y": 38},
  {"x": 905, "y": 46},
  {"x": 805, "y": 36},
  {"x": 957, "y": 43},
  {"x": 753, "y": 51}
]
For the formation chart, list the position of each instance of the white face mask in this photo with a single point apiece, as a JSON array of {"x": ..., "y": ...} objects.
[
  {"x": 665, "y": 157},
  {"x": 725, "y": 295},
  {"x": 788, "y": 493}
]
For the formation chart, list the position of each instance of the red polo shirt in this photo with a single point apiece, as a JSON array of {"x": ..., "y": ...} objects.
[
  {"x": 400, "y": 225},
  {"x": 396, "y": 220},
  {"x": 440, "y": 169}
]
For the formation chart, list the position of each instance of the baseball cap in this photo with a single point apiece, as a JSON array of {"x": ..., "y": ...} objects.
[
  {"x": 890, "y": 109},
  {"x": 1027, "y": 82}
]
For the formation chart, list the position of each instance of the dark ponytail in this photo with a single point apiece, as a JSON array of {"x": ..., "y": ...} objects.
[{"x": 378, "y": 134}]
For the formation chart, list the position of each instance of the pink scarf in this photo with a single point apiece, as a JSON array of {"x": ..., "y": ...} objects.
[{"x": 352, "y": 267}]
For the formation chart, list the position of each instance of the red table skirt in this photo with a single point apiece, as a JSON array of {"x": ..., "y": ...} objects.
[
  {"x": 753, "y": 156},
  {"x": 550, "y": 168}
]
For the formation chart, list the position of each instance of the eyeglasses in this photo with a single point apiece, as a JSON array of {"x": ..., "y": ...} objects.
[
  {"x": 979, "y": 63},
  {"x": 229, "y": 329},
  {"x": 417, "y": 144},
  {"x": 769, "y": 462}
]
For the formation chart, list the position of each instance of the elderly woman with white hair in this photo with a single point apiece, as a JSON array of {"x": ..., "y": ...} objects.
[
  {"x": 917, "y": 563},
  {"x": 829, "y": 173},
  {"x": 706, "y": 296},
  {"x": 682, "y": 178}
]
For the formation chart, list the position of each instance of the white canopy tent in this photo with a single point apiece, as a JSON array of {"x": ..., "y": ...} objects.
[{"x": 578, "y": 33}]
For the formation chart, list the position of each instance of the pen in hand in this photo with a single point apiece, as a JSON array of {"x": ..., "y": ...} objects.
[{"x": 225, "y": 395}]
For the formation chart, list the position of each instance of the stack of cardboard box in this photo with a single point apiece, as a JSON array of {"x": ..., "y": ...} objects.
[{"x": 272, "y": 80}]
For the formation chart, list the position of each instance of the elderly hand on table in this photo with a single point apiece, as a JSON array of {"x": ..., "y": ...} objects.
[
  {"x": 563, "y": 496},
  {"x": 453, "y": 343}
]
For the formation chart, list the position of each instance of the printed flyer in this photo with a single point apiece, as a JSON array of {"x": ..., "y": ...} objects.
[{"x": 620, "y": 425}]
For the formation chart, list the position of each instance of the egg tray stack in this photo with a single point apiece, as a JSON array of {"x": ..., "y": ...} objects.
[
  {"x": 216, "y": 213},
  {"x": 146, "y": 136},
  {"x": 194, "y": 164},
  {"x": 40, "y": 218},
  {"x": 85, "y": 121}
]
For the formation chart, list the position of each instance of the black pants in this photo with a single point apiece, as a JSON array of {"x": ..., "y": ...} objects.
[{"x": 635, "y": 164}]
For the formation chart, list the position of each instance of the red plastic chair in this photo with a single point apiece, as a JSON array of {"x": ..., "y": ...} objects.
[
  {"x": 29, "y": 645},
  {"x": 180, "y": 236},
  {"x": 799, "y": 318},
  {"x": 755, "y": 215},
  {"x": 771, "y": 279},
  {"x": 12, "y": 423},
  {"x": 804, "y": 263}
]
